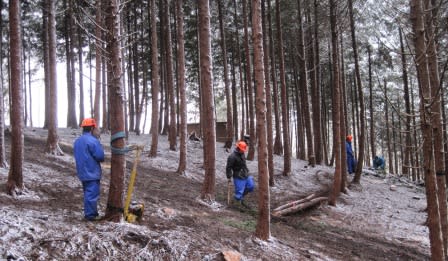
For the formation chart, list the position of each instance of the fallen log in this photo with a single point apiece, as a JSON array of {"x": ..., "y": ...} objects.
[
  {"x": 299, "y": 207},
  {"x": 296, "y": 202}
]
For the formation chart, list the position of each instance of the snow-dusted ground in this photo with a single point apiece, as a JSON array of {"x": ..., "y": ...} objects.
[{"x": 35, "y": 227}]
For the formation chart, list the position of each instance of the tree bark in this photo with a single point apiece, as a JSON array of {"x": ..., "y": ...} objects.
[
  {"x": 205, "y": 62},
  {"x": 71, "y": 88},
  {"x": 81, "y": 76},
  {"x": 98, "y": 55},
  {"x": 3, "y": 160},
  {"x": 278, "y": 145},
  {"x": 337, "y": 136},
  {"x": 181, "y": 86},
  {"x": 436, "y": 124},
  {"x": 303, "y": 82},
  {"x": 155, "y": 82},
  {"x": 172, "y": 132},
  {"x": 45, "y": 61},
  {"x": 250, "y": 88},
  {"x": 408, "y": 141},
  {"x": 434, "y": 222},
  {"x": 229, "y": 108},
  {"x": 270, "y": 137},
  {"x": 361, "y": 140},
  {"x": 114, "y": 84},
  {"x": 52, "y": 145},
  {"x": 262, "y": 230},
  {"x": 14, "y": 185},
  {"x": 284, "y": 96},
  {"x": 389, "y": 141},
  {"x": 314, "y": 64},
  {"x": 372, "y": 120}
]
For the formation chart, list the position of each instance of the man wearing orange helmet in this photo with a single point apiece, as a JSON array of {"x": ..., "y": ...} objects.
[
  {"x": 236, "y": 167},
  {"x": 351, "y": 161},
  {"x": 88, "y": 153}
]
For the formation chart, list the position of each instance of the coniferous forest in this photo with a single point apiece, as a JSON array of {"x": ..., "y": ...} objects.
[{"x": 293, "y": 79}]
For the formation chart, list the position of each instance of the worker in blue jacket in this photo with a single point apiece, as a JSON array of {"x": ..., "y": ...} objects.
[
  {"x": 351, "y": 161},
  {"x": 379, "y": 163},
  {"x": 88, "y": 153}
]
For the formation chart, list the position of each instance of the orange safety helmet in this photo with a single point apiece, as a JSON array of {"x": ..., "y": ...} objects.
[
  {"x": 349, "y": 138},
  {"x": 242, "y": 146},
  {"x": 88, "y": 122}
]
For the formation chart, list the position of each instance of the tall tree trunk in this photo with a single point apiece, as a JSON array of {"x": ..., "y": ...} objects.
[
  {"x": 14, "y": 185},
  {"x": 25, "y": 94},
  {"x": 304, "y": 89},
  {"x": 344, "y": 126},
  {"x": 45, "y": 61},
  {"x": 136, "y": 76},
  {"x": 278, "y": 145},
  {"x": 436, "y": 124},
  {"x": 106, "y": 104},
  {"x": 434, "y": 224},
  {"x": 172, "y": 132},
  {"x": 337, "y": 135},
  {"x": 81, "y": 76},
  {"x": 284, "y": 96},
  {"x": 239, "y": 61},
  {"x": 205, "y": 62},
  {"x": 98, "y": 55},
  {"x": 114, "y": 83},
  {"x": 262, "y": 230},
  {"x": 372, "y": 121},
  {"x": 408, "y": 141},
  {"x": 389, "y": 141},
  {"x": 181, "y": 86},
  {"x": 270, "y": 137},
  {"x": 71, "y": 88},
  {"x": 155, "y": 82},
  {"x": 52, "y": 146},
  {"x": 416, "y": 167},
  {"x": 250, "y": 88},
  {"x": 3, "y": 160},
  {"x": 314, "y": 64},
  {"x": 229, "y": 108},
  {"x": 234, "y": 92},
  {"x": 361, "y": 140}
]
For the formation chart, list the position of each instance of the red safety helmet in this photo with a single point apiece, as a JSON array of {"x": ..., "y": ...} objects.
[
  {"x": 349, "y": 138},
  {"x": 88, "y": 122},
  {"x": 242, "y": 146}
]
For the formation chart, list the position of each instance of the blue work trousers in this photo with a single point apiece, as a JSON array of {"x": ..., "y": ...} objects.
[
  {"x": 91, "y": 190},
  {"x": 243, "y": 186}
]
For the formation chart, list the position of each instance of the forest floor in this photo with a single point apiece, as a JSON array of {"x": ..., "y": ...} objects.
[{"x": 382, "y": 219}]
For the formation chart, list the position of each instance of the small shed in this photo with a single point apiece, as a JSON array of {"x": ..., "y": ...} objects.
[{"x": 221, "y": 129}]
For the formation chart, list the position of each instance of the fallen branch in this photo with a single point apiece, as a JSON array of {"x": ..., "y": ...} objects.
[
  {"x": 294, "y": 203},
  {"x": 299, "y": 207}
]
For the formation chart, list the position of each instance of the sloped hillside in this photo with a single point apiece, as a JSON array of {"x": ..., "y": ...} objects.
[{"x": 380, "y": 220}]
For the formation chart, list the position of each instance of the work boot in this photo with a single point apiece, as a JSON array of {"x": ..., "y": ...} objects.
[
  {"x": 97, "y": 218},
  {"x": 240, "y": 203},
  {"x": 243, "y": 203}
]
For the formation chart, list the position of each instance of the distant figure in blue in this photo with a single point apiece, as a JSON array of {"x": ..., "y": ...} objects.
[
  {"x": 88, "y": 153},
  {"x": 351, "y": 162},
  {"x": 378, "y": 163}
]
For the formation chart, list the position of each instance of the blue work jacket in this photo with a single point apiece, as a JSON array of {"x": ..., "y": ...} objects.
[{"x": 88, "y": 153}]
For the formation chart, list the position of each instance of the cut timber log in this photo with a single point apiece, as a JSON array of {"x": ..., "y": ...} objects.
[
  {"x": 299, "y": 207},
  {"x": 294, "y": 203}
]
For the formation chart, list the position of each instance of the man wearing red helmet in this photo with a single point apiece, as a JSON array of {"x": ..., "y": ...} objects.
[
  {"x": 236, "y": 167},
  {"x": 88, "y": 153}
]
